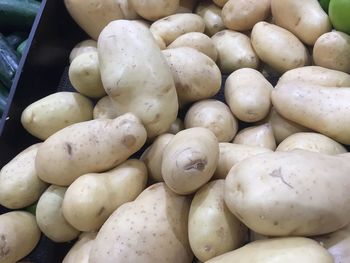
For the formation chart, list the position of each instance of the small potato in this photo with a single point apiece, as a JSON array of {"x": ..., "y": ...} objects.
[
  {"x": 105, "y": 109},
  {"x": 259, "y": 136},
  {"x": 79, "y": 253},
  {"x": 220, "y": 3},
  {"x": 248, "y": 95},
  {"x": 211, "y": 15},
  {"x": 305, "y": 19},
  {"x": 190, "y": 159},
  {"x": 241, "y": 15},
  {"x": 311, "y": 141},
  {"x": 83, "y": 47},
  {"x": 19, "y": 235},
  {"x": 332, "y": 50},
  {"x": 155, "y": 9},
  {"x": 212, "y": 229},
  {"x": 176, "y": 126},
  {"x": 153, "y": 156},
  {"x": 231, "y": 154},
  {"x": 171, "y": 27},
  {"x": 198, "y": 41},
  {"x": 215, "y": 116},
  {"x": 55, "y": 112},
  {"x": 50, "y": 218},
  {"x": 19, "y": 184},
  {"x": 278, "y": 48},
  {"x": 234, "y": 51},
  {"x": 196, "y": 75}
]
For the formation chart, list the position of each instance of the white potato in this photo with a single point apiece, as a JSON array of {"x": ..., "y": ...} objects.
[
  {"x": 105, "y": 109},
  {"x": 211, "y": 15},
  {"x": 155, "y": 9},
  {"x": 82, "y": 47},
  {"x": 79, "y": 253}
]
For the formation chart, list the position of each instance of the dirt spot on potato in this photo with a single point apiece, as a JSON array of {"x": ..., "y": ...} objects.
[
  {"x": 129, "y": 140},
  {"x": 69, "y": 148},
  {"x": 277, "y": 173},
  {"x": 197, "y": 164},
  {"x": 4, "y": 248}
]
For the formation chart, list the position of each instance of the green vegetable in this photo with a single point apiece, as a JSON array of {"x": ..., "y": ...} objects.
[
  {"x": 324, "y": 4},
  {"x": 8, "y": 62},
  {"x": 339, "y": 14},
  {"x": 3, "y": 98},
  {"x": 21, "y": 47},
  {"x": 15, "y": 39}
]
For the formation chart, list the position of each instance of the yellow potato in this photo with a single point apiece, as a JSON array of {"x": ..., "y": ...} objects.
[
  {"x": 79, "y": 253},
  {"x": 155, "y": 9},
  {"x": 212, "y": 229},
  {"x": 19, "y": 184},
  {"x": 88, "y": 147},
  {"x": 176, "y": 126},
  {"x": 105, "y": 109},
  {"x": 211, "y": 15},
  {"x": 82, "y": 47}
]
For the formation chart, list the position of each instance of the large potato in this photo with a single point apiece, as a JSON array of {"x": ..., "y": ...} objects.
[
  {"x": 278, "y": 47},
  {"x": 299, "y": 193},
  {"x": 92, "y": 198},
  {"x": 55, "y": 112},
  {"x": 323, "y": 109},
  {"x": 190, "y": 159},
  {"x": 286, "y": 250},
  {"x": 105, "y": 109},
  {"x": 19, "y": 184},
  {"x": 212, "y": 229},
  {"x": 153, "y": 228},
  {"x": 49, "y": 216},
  {"x": 248, "y": 95},
  {"x": 304, "y": 18},
  {"x": 19, "y": 235},
  {"x": 155, "y": 9},
  {"x": 196, "y": 75},
  {"x": 82, "y": 47},
  {"x": 332, "y": 50},
  {"x": 136, "y": 76},
  {"x": 80, "y": 252},
  {"x": 88, "y": 147},
  {"x": 234, "y": 51},
  {"x": 211, "y": 15}
]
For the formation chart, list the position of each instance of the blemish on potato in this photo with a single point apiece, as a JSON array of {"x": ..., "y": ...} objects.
[
  {"x": 69, "y": 148},
  {"x": 4, "y": 248},
  {"x": 129, "y": 140}
]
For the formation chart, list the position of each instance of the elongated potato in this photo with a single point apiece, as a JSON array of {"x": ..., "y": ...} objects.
[
  {"x": 176, "y": 126},
  {"x": 212, "y": 229},
  {"x": 323, "y": 109},
  {"x": 196, "y": 75},
  {"x": 211, "y": 15},
  {"x": 20, "y": 185},
  {"x": 92, "y": 198},
  {"x": 283, "y": 193},
  {"x": 82, "y": 47},
  {"x": 241, "y": 15},
  {"x": 49, "y": 216},
  {"x": 332, "y": 50},
  {"x": 55, "y": 112},
  {"x": 153, "y": 228},
  {"x": 147, "y": 91},
  {"x": 79, "y": 253},
  {"x": 278, "y": 48},
  {"x": 19, "y": 235},
  {"x": 243, "y": 56},
  {"x": 88, "y": 147},
  {"x": 231, "y": 154},
  {"x": 286, "y": 250},
  {"x": 198, "y": 41},
  {"x": 171, "y": 27},
  {"x": 105, "y": 109},
  {"x": 306, "y": 19},
  {"x": 215, "y": 116},
  {"x": 155, "y": 9}
]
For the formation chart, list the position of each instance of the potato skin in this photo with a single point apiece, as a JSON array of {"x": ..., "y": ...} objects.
[
  {"x": 211, "y": 15},
  {"x": 84, "y": 46},
  {"x": 155, "y": 9},
  {"x": 79, "y": 253},
  {"x": 19, "y": 235},
  {"x": 88, "y": 147},
  {"x": 105, "y": 109}
]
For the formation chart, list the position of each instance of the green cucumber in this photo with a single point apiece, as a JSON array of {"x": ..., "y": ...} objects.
[
  {"x": 21, "y": 47},
  {"x": 3, "y": 98},
  {"x": 8, "y": 62},
  {"x": 15, "y": 39}
]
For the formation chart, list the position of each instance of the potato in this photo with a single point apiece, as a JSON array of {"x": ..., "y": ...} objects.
[
  {"x": 82, "y": 47},
  {"x": 286, "y": 250},
  {"x": 105, "y": 109},
  {"x": 176, "y": 126},
  {"x": 196, "y": 75},
  {"x": 155, "y": 9},
  {"x": 247, "y": 93},
  {"x": 190, "y": 159},
  {"x": 278, "y": 48},
  {"x": 148, "y": 92},
  {"x": 127, "y": 9},
  {"x": 323, "y": 109},
  {"x": 332, "y": 50},
  {"x": 298, "y": 193},
  {"x": 84, "y": 74},
  {"x": 19, "y": 183},
  {"x": 186, "y": 6},
  {"x": 211, "y": 15},
  {"x": 305, "y": 19},
  {"x": 19, "y": 235},
  {"x": 153, "y": 156},
  {"x": 50, "y": 218},
  {"x": 243, "y": 56},
  {"x": 231, "y": 154},
  {"x": 215, "y": 116},
  {"x": 88, "y": 147},
  {"x": 160, "y": 42},
  {"x": 220, "y": 3},
  {"x": 79, "y": 253},
  {"x": 171, "y": 27},
  {"x": 242, "y": 15},
  {"x": 212, "y": 229},
  {"x": 55, "y": 112},
  {"x": 259, "y": 136},
  {"x": 311, "y": 141},
  {"x": 198, "y": 41},
  {"x": 153, "y": 228},
  {"x": 92, "y": 198}
]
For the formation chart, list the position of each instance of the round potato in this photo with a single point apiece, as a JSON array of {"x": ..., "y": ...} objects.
[
  {"x": 155, "y": 9},
  {"x": 105, "y": 109},
  {"x": 83, "y": 47},
  {"x": 215, "y": 116},
  {"x": 79, "y": 253},
  {"x": 211, "y": 15},
  {"x": 176, "y": 126}
]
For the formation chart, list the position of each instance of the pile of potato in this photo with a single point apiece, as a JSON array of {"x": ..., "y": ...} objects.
[{"x": 263, "y": 177}]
